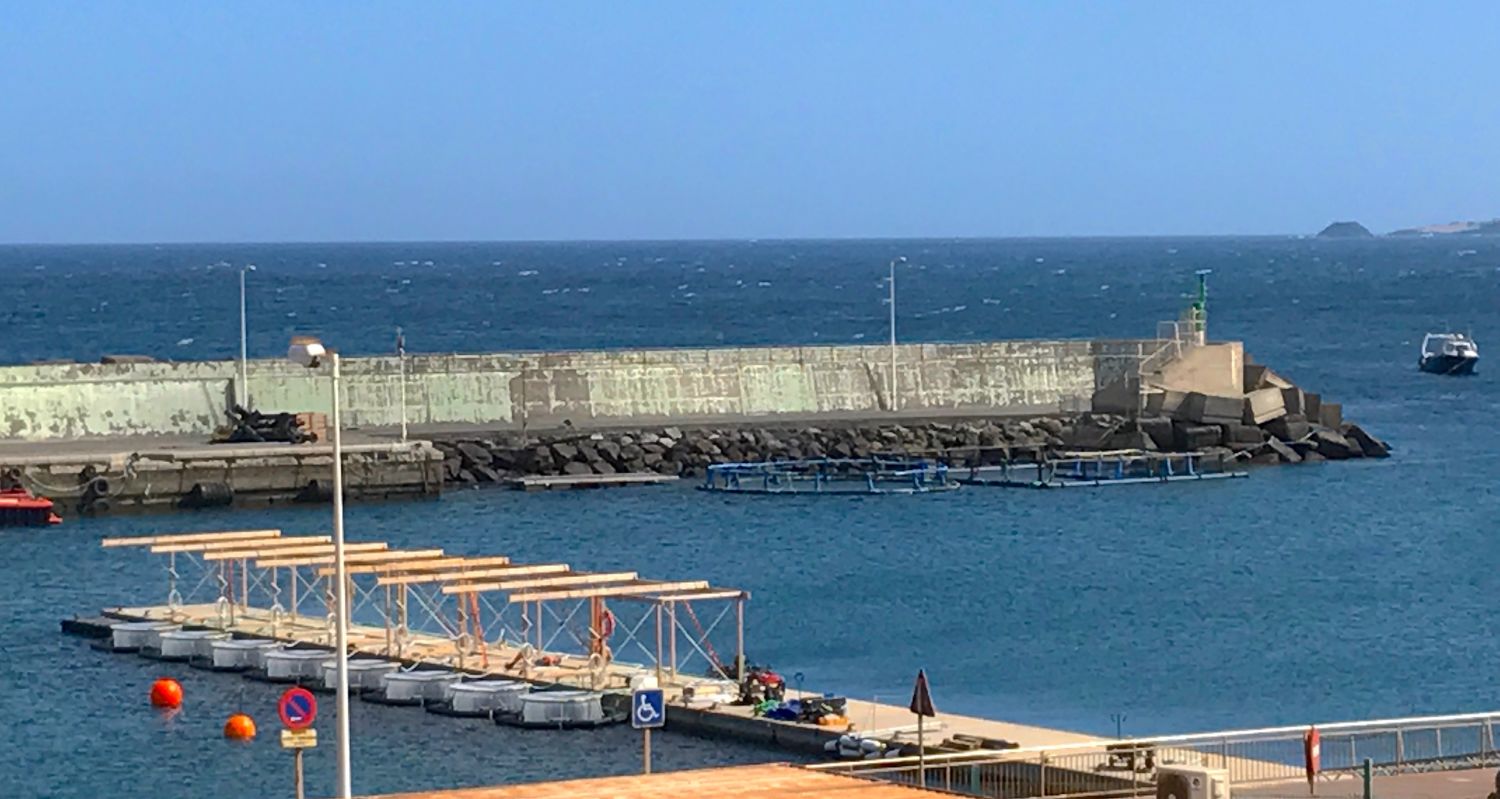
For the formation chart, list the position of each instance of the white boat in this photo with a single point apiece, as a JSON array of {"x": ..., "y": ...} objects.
[{"x": 1448, "y": 354}]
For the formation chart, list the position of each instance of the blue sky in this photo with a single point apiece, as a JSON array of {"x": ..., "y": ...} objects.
[{"x": 154, "y": 122}]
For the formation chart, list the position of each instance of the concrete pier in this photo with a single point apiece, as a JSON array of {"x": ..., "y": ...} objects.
[{"x": 95, "y": 476}]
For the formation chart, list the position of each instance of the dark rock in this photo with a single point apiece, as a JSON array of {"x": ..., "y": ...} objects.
[
  {"x": 1292, "y": 427},
  {"x": 587, "y": 453},
  {"x": 576, "y": 468},
  {"x": 672, "y": 433},
  {"x": 505, "y": 459},
  {"x": 564, "y": 453},
  {"x": 486, "y": 475},
  {"x": 1371, "y": 446},
  {"x": 451, "y": 468},
  {"x": 1313, "y": 457},
  {"x": 603, "y": 467},
  {"x": 1265, "y": 457},
  {"x": 474, "y": 454},
  {"x": 1051, "y": 425},
  {"x": 610, "y": 451},
  {"x": 466, "y": 476}
]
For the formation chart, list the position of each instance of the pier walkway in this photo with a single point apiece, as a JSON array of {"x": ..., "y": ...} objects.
[{"x": 545, "y": 623}]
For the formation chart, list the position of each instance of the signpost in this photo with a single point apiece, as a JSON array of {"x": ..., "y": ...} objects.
[
  {"x": 648, "y": 710},
  {"x": 921, "y": 704},
  {"x": 298, "y": 709}
]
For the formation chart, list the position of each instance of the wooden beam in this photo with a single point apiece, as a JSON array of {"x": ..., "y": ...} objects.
[
  {"x": 445, "y": 564},
  {"x": 267, "y": 553},
  {"x": 692, "y": 596},
  {"x": 448, "y": 576},
  {"x": 186, "y": 538},
  {"x": 610, "y": 590},
  {"x": 557, "y": 581},
  {"x": 357, "y": 557},
  {"x": 246, "y": 543}
]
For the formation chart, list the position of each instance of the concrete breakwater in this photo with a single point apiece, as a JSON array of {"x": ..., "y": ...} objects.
[{"x": 687, "y": 451}]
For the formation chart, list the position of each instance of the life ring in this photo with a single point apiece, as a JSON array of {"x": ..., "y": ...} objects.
[{"x": 607, "y": 624}]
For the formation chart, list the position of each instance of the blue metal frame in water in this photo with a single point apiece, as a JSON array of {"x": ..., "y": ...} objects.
[
  {"x": 830, "y": 476},
  {"x": 1123, "y": 467}
]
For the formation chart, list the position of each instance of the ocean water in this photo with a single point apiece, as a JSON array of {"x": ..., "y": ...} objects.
[{"x": 1307, "y": 594}]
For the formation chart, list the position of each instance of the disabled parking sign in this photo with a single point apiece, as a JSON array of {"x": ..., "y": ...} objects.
[{"x": 648, "y": 709}]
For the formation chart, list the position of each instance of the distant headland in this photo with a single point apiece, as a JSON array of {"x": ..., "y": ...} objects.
[{"x": 1354, "y": 230}]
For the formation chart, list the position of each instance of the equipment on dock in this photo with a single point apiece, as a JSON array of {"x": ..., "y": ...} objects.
[
  {"x": 19, "y": 508},
  {"x": 878, "y": 475},
  {"x": 255, "y": 427},
  {"x": 1191, "y": 782},
  {"x": 1115, "y": 467},
  {"x": 761, "y": 684}
]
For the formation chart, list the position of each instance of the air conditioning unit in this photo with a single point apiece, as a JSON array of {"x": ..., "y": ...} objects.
[{"x": 1191, "y": 782}]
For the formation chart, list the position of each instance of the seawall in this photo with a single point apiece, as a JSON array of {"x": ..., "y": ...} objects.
[{"x": 584, "y": 389}]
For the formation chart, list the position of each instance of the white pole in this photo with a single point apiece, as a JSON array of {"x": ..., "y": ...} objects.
[
  {"x": 894, "y": 261},
  {"x": 244, "y": 392},
  {"x": 340, "y": 595},
  {"x": 401, "y": 356}
]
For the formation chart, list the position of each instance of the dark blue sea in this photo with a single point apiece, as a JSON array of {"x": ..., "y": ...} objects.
[{"x": 1304, "y": 594}]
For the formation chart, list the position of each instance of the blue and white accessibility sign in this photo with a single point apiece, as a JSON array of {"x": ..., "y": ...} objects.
[{"x": 648, "y": 709}]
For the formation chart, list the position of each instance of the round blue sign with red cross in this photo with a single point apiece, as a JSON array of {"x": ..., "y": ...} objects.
[{"x": 298, "y": 708}]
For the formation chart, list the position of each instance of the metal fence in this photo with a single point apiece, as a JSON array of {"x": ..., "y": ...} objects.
[{"x": 1121, "y": 768}]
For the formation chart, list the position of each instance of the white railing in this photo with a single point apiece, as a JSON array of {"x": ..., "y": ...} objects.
[{"x": 1120, "y": 768}]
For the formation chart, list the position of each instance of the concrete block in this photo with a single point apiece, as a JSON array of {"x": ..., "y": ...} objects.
[
  {"x": 1131, "y": 439},
  {"x": 1165, "y": 403},
  {"x": 1331, "y": 415},
  {"x": 1312, "y": 405},
  {"x": 1263, "y": 405},
  {"x": 1212, "y": 409},
  {"x": 1194, "y": 437},
  {"x": 1255, "y": 377},
  {"x": 1292, "y": 427},
  {"x": 1160, "y": 430},
  {"x": 1292, "y": 400},
  {"x": 1283, "y": 452},
  {"x": 1243, "y": 434}
]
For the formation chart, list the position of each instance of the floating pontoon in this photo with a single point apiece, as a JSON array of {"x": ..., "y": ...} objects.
[{"x": 830, "y": 476}]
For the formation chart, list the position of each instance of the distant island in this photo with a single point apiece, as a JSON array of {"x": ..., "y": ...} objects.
[{"x": 1345, "y": 230}]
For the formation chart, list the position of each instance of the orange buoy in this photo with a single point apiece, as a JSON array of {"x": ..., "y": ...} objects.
[
  {"x": 239, "y": 727},
  {"x": 166, "y": 692}
]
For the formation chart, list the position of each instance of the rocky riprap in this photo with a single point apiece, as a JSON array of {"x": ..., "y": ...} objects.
[{"x": 686, "y": 451}]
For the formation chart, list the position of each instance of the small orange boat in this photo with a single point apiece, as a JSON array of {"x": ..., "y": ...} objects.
[{"x": 18, "y": 508}]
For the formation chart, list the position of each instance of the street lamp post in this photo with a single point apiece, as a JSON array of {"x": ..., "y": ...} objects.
[
  {"x": 244, "y": 392},
  {"x": 309, "y": 352},
  {"x": 900, "y": 259}
]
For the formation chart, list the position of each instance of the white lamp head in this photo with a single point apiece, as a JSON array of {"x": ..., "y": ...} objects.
[{"x": 306, "y": 351}]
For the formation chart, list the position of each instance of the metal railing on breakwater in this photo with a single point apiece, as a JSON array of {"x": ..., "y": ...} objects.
[{"x": 1127, "y": 767}]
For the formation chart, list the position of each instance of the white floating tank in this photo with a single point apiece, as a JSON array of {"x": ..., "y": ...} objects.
[
  {"x": 294, "y": 664},
  {"x": 190, "y": 643},
  {"x": 418, "y": 685},
  {"x": 363, "y": 673},
  {"x": 132, "y": 635},
  {"x": 241, "y": 653},
  {"x": 562, "y": 708},
  {"x": 483, "y": 696}
]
